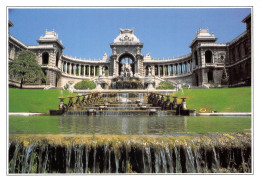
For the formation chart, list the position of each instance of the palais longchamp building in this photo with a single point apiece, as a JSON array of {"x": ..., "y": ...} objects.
[{"x": 208, "y": 64}]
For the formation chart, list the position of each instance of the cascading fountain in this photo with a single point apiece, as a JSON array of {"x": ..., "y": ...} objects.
[{"x": 212, "y": 153}]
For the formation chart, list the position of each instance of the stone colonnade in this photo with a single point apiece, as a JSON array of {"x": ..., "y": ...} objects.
[
  {"x": 83, "y": 70},
  {"x": 171, "y": 69}
]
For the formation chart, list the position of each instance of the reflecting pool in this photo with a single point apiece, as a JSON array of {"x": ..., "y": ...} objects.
[{"x": 127, "y": 125}]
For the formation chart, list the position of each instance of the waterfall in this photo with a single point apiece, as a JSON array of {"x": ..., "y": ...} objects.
[
  {"x": 149, "y": 159},
  {"x": 169, "y": 159},
  {"x": 86, "y": 155},
  {"x": 141, "y": 97},
  {"x": 117, "y": 163},
  {"x": 129, "y": 154}
]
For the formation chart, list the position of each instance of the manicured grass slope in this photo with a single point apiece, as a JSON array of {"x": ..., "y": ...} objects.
[
  {"x": 206, "y": 100},
  {"x": 221, "y": 100},
  {"x": 34, "y": 100}
]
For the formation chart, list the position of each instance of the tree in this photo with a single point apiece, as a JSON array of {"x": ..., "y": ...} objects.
[{"x": 25, "y": 68}]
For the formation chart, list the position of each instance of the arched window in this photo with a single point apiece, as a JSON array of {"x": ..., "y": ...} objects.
[
  {"x": 208, "y": 56},
  {"x": 45, "y": 58}
]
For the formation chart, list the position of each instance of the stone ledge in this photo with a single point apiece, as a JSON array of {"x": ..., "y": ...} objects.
[
  {"x": 25, "y": 114},
  {"x": 226, "y": 114}
]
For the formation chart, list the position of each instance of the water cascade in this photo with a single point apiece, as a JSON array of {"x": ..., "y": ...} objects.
[{"x": 210, "y": 153}]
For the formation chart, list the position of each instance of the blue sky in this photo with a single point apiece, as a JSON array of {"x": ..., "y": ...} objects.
[{"x": 87, "y": 33}]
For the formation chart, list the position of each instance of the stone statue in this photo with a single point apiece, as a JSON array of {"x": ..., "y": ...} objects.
[
  {"x": 103, "y": 70},
  {"x": 149, "y": 70},
  {"x": 126, "y": 70}
]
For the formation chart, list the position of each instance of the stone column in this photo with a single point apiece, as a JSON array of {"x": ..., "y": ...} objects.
[
  {"x": 100, "y": 70},
  {"x": 79, "y": 69},
  {"x": 62, "y": 63},
  {"x": 153, "y": 70},
  {"x": 94, "y": 70},
  {"x": 70, "y": 68},
  {"x": 66, "y": 68},
  {"x": 159, "y": 70},
  {"x": 84, "y": 71},
  {"x": 89, "y": 70}
]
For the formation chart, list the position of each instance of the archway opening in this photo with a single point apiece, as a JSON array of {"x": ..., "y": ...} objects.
[
  {"x": 210, "y": 76},
  {"x": 196, "y": 80},
  {"x": 126, "y": 59}
]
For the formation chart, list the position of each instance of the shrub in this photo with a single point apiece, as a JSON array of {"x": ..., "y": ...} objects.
[
  {"x": 85, "y": 84},
  {"x": 165, "y": 85}
]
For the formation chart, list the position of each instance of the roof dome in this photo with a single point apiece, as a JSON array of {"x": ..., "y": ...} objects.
[{"x": 126, "y": 35}]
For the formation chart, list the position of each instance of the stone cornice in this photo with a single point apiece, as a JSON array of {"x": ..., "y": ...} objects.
[
  {"x": 12, "y": 38},
  {"x": 169, "y": 60},
  {"x": 238, "y": 62},
  {"x": 206, "y": 44},
  {"x": 126, "y": 44},
  {"x": 51, "y": 41},
  {"x": 237, "y": 38},
  {"x": 83, "y": 61},
  {"x": 41, "y": 47}
]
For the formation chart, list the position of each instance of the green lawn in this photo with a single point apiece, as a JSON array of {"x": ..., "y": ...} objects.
[
  {"x": 35, "y": 100},
  {"x": 221, "y": 100}
]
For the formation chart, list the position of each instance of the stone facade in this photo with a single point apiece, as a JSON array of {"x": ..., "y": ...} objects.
[{"x": 208, "y": 64}]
